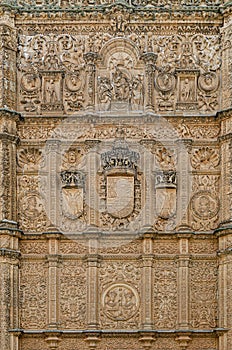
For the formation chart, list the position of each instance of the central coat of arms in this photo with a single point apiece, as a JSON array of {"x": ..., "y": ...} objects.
[
  {"x": 120, "y": 195},
  {"x": 120, "y": 168}
]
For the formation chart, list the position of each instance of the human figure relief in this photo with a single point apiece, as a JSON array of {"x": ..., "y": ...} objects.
[
  {"x": 187, "y": 91},
  {"x": 51, "y": 94}
]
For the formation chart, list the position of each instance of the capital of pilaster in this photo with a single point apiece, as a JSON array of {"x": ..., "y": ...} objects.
[
  {"x": 92, "y": 340},
  {"x": 183, "y": 341},
  {"x": 149, "y": 57},
  {"x": 53, "y": 259},
  {"x": 91, "y": 57},
  {"x": 53, "y": 340},
  {"x": 147, "y": 339},
  {"x": 92, "y": 260}
]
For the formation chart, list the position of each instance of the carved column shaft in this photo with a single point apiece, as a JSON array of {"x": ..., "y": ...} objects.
[
  {"x": 8, "y": 44},
  {"x": 53, "y": 170},
  {"x": 90, "y": 59},
  {"x": 147, "y": 283},
  {"x": 184, "y": 184},
  {"x": 226, "y": 173},
  {"x": 5, "y": 293},
  {"x": 226, "y": 94},
  {"x": 8, "y": 142},
  {"x": 148, "y": 190},
  {"x": 92, "y": 293},
  {"x": 93, "y": 196},
  {"x": 53, "y": 277},
  {"x": 222, "y": 298},
  {"x": 183, "y": 285},
  {"x": 149, "y": 59},
  {"x": 9, "y": 286}
]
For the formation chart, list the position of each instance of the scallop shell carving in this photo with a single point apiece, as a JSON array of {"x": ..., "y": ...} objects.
[
  {"x": 205, "y": 158},
  {"x": 30, "y": 159}
]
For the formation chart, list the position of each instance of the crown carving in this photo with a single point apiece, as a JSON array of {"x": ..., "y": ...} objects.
[
  {"x": 120, "y": 157},
  {"x": 72, "y": 178}
]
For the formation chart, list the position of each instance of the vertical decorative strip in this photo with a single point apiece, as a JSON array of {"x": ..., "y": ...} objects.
[{"x": 183, "y": 283}]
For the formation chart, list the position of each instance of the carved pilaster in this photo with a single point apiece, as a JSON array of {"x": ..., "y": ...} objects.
[
  {"x": 226, "y": 184},
  {"x": 226, "y": 71},
  {"x": 8, "y": 45},
  {"x": 149, "y": 59},
  {"x": 225, "y": 287},
  {"x": 147, "y": 282},
  {"x": 53, "y": 260},
  {"x": 9, "y": 286},
  {"x": 52, "y": 171},
  {"x": 183, "y": 284},
  {"x": 93, "y": 196},
  {"x": 92, "y": 282},
  {"x": 8, "y": 142},
  {"x": 147, "y": 199},
  {"x": 90, "y": 59},
  {"x": 184, "y": 184}
]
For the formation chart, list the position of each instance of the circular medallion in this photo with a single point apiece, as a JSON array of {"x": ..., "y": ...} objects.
[
  {"x": 74, "y": 82},
  {"x": 208, "y": 82},
  {"x": 205, "y": 205},
  {"x": 30, "y": 82},
  {"x": 120, "y": 302},
  {"x": 165, "y": 82},
  {"x": 31, "y": 205}
]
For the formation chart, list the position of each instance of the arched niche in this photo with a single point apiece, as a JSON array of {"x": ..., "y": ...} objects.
[{"x": 120, "y": 77}]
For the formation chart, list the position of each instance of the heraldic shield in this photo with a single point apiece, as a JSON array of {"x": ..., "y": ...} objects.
[
  {"x": 120, "y": 195},
  {"x": 165, "y": 202},
  {"x": 72, "y": 202},
  {"x": 166, "y": 194},
  {"x": 72, "y": 194}
]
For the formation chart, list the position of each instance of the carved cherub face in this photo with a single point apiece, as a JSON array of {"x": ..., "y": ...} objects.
[{"x": 72, "y": 156}]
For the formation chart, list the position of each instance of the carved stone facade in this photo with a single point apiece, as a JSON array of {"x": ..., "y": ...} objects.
[{"x": 116, "y": 166}]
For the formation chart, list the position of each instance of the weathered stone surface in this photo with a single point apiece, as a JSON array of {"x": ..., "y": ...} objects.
[{"x": 115, "y": 185}]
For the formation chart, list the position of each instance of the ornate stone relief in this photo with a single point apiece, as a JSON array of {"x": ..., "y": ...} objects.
[
  {"x": 51, "y": 73},
  {"x": 32, "y": 215},
  {"x": 167, "y": 4},
  {"x": 30, "y": 159},
  {"x": 165, "y": 283},
  {"x": 165, "y": 187},
  {"x": 33, "y": 295},
  {"x": 205, "y": 158},
  {"x": 123, "y": 87},
  {"x": 73, "y": 295},
  {"x": 120, "y": 294},
  {"x": 120, "y": 186},
  {"x": 203, "y": 294},
  {"x": 55, "y": 73},
  {"x": 205, "y": 203},
  {"x": 73, "y": 190},
  {"x": 120, "y": 302}
]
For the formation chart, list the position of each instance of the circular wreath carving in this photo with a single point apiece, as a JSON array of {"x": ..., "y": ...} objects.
[{"x": 120, "y": 302}]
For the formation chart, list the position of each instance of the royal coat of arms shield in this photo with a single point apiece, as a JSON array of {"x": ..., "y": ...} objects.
[{"x": 120, "y": 195}]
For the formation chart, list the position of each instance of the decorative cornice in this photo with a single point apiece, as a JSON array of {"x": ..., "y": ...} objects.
[{"x": 197, "y": 332}]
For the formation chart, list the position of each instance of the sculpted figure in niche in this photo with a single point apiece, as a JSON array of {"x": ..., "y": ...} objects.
[
  {"x": 105, "y": 91},
  {"x": 186, "y": 91},
  {"x": 121, "y": 86},
  {"x": 118, "y": 23},
  {"x": 137, "y": 92},
  {"x": 51, "y": 95}
]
